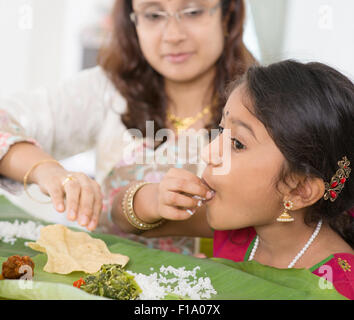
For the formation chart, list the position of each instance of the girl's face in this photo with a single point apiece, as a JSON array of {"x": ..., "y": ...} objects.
[
  {"x": 245, "y": 195},
  {"x": 180, "y": 50}
]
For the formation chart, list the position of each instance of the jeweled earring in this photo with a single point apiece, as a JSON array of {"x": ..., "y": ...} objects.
[{"x": 285, "y": 216}]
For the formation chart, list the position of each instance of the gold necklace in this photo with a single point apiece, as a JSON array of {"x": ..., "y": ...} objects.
[{"x": 185, "y": 123}]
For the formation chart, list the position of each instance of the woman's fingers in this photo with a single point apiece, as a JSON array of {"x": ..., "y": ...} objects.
[
  {"x": 56, "y": 193},
  {"x": 90, "y": 203},
  {"x": 83, "y": 200},
  {"x": 97, "y": 208},
  {"x": 72, "y": 191},
  {"x": 87, "y": 199}
]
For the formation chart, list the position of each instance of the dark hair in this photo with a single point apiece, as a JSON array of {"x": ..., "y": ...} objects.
[
  {"x": 308, "y": 110},
  {"x": 141, "y": 85}
]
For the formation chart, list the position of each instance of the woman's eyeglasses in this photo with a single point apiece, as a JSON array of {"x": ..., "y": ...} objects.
[{"x": 189, "y": 17}]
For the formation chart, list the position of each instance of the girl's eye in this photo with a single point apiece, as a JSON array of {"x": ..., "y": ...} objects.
[
  {"x": 237, "y": 144},
  {"x": 221, "y": 129}
]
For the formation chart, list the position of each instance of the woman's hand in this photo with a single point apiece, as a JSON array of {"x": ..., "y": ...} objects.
[
  {"x": 79, "y": 196},
  {"x": 179, "y": 194}
]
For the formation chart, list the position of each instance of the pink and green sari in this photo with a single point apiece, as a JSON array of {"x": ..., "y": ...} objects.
[{"x": 338, "y": 268}]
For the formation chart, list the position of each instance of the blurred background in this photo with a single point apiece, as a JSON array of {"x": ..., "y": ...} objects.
[{"x": 46, "y": 41}]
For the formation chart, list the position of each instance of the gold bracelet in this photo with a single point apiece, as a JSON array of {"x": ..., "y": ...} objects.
[
  {"x": 25, "y": 179},
  {"x": 128, "y": 209}
]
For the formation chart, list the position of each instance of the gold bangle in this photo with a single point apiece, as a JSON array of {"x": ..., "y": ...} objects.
[
  {"x": 25, "y": 179},
  {"x": 128, "y": 209}
]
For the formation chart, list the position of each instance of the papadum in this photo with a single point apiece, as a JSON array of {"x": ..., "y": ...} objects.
[{"x": 70, "y": 251}]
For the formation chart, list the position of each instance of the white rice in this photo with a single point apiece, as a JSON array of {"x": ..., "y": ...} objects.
[
  {"x": 176, "y": 281},
  {"x": 10, "y": 232}
]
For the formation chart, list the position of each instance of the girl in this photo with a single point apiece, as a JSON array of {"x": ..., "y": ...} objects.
[
  {"x": 287, "y": 131},
  {"x": 166, "y": 62}
]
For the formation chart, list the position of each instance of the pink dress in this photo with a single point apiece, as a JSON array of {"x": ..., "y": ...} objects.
[{"x": 237, "y": 245}]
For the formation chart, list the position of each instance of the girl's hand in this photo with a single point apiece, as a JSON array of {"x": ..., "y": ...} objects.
[
  {"x": 179, "y": 194},
  {"x": 80, "y": 196}
]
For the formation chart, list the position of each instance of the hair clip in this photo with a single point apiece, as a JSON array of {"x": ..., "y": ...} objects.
[{"x": 334, "y": 188}]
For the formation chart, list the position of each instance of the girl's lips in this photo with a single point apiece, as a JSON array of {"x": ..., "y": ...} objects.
[
  {"x": 211, "y": 193},
  {"x": 178, "y": 58},
  {"x": 206, "y": 183}
]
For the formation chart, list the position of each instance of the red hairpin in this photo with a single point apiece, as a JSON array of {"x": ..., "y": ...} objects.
[{"x": 334, "y": 188}]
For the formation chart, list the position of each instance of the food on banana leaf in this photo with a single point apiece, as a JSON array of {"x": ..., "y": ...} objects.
[
  {"x": 111, "y": 281},
  {"x": 70, "y": 251},
  {"x": 16, "y": 267}
]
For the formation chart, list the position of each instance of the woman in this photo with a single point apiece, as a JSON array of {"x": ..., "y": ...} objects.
[
  {"x": 167, "y": 61},
  {"x": 287, "y": 131}
]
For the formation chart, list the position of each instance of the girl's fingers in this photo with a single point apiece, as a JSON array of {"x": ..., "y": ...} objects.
[
  {"x": 184, "y": 178},
  {"x": 180, "y": 194},
  {"x": 182, "y": 173},
  {"x": 186, "y": 186},
  {"x": 172, "y": 213},
  {"x": 179, "y": 200}
]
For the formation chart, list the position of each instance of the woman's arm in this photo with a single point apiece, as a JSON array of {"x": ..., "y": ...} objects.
[
  {"x": 155, "y": 201},
  {"x": 64, "y": 122},
  {"x": 13, "y": 166},
  {"x": 81, "y": 197}
]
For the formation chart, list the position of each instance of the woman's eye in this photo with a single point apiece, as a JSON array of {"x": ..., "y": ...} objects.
[
  {"x": 153, "y": 16},
  {"x": 237, "y": 144},
  {"x": 193, "y": 13}
]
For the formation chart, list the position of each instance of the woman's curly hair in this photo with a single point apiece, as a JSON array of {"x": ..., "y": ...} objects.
[{"x": 124, "y": 63}]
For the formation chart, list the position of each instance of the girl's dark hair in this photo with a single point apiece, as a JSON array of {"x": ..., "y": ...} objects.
[
  {"x": 308, "y": 110},
  {"x": 140, "y": 84}
]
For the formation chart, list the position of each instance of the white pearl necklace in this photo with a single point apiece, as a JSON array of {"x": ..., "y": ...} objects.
[{"x": 299, "y": 255}]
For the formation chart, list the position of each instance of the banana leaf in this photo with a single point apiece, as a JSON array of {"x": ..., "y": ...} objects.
[{"x": 231, "y": 280}]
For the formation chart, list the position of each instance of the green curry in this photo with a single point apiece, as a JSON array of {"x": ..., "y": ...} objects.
[{"x": 111, "y": 281}]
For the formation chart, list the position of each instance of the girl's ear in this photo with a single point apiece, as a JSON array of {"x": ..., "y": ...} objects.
[{"x": 307, "y": 192}]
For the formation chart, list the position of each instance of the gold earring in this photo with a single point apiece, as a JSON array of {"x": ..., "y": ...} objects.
[{"x": 285, "y": 216}]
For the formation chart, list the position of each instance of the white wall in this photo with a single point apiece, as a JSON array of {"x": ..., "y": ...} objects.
[
  {"x": 14, "y": 48},
  {"x": 40, "y": 45},
  {"x": 40, "y": 40},
  {"x": 321, "y": 30},
  {"x": 269, "y": 17},
  {"x": 80, "y": 15},
  {"x": 31, "y": 43}
]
